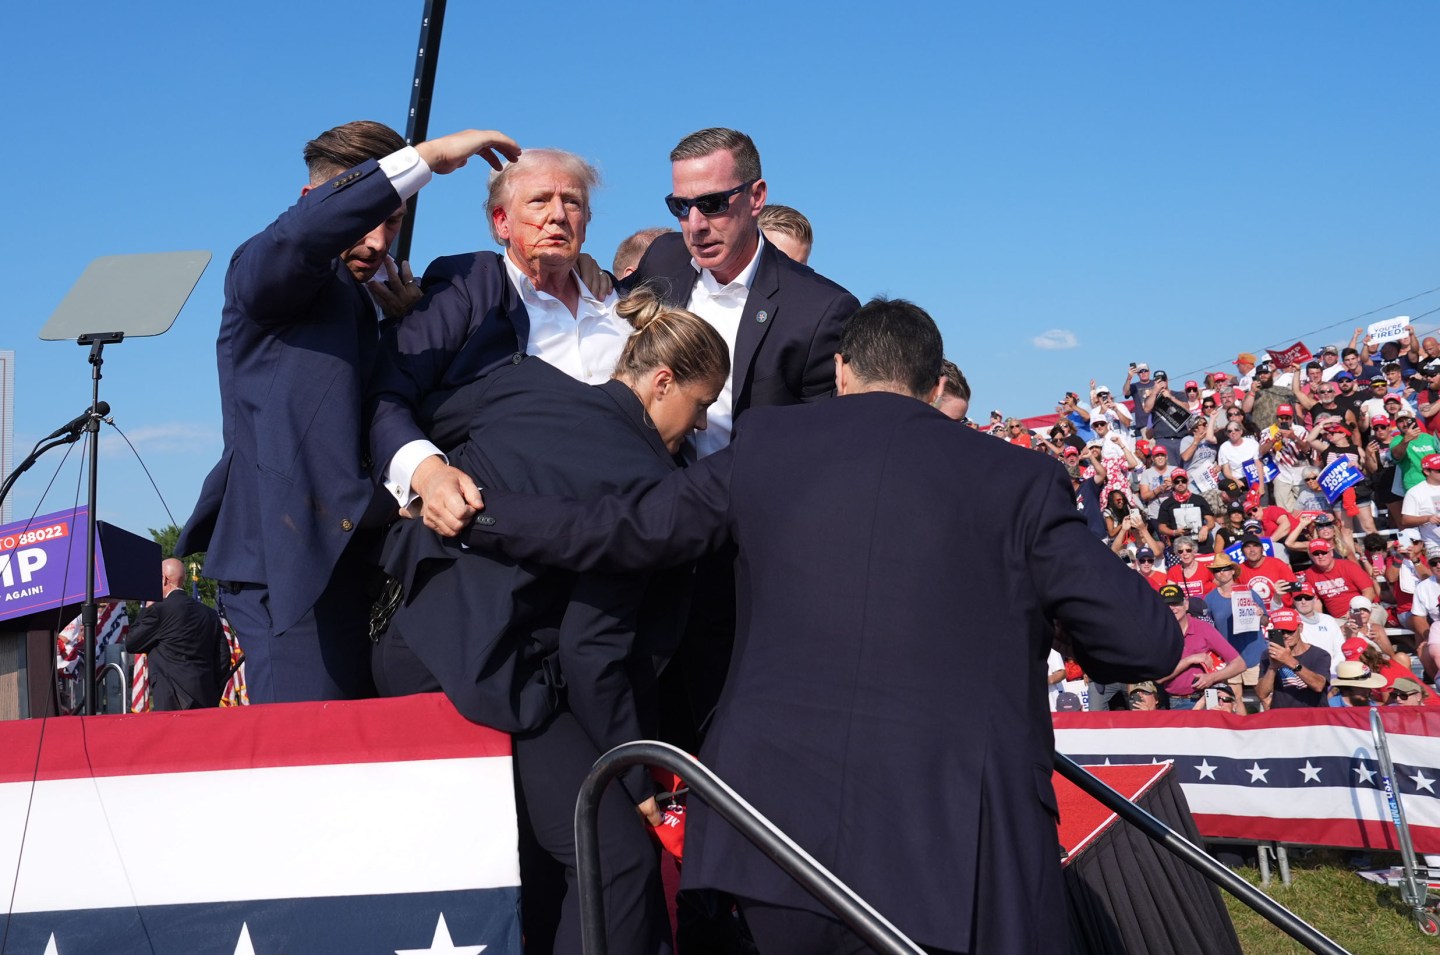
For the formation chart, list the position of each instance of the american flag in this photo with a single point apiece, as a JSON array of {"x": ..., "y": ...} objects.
[
  {"x": 140, "y": 683},
  {"x": 111, "y": 623},
  {"x": 235, "y": 693},
  {"x": 1301, "y": 776}
]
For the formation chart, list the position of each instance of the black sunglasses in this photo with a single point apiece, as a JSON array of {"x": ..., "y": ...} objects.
[{"x": 710, "y": 204}]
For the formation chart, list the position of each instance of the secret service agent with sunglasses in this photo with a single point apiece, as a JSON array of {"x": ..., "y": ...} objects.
[{"x": 781, "y": 319}]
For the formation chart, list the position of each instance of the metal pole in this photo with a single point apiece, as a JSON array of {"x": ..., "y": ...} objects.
[
  {"x": 726, "y": 803},
  {"x": 1279, "y": 916},
  {"x": 417, "y": 124},
  {"x": 89, "y": 612}
]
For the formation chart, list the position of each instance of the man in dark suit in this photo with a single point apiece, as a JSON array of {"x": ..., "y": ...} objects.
[
  {"x": 894, "y": 724},
  {"x": 280, "y": 515},
  {"x": 189, "y": 661},
  {"x": 782, "y": 321},
  {"x": 481, "y": 311}
]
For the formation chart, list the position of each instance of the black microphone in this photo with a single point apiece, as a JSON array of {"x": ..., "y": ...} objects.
[{"x": 73, "y": 427}]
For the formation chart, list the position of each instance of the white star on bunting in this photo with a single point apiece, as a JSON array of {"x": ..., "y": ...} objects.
[
  {"x": 1364, "y": 773},
  {"x": 1206, "y": 770},
  {"x": 1311, "y": 773},
  {"x": 1257, "y": 775},
  {"x": 442, "y": 945},
  {"x": 50, "y": 948},
  {"x": 242, "y": 944},
  {"x": 1423, "y": 782}
]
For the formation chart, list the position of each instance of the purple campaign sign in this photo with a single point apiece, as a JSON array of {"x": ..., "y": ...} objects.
[{"x": 42, "y": 563}]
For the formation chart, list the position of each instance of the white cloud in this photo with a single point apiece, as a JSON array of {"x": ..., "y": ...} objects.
[{"x": 1056, "y": 339}]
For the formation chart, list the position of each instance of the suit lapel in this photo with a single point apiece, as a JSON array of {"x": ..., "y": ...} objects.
[
  {"x": 514, "y": 309},
  {"x": 633, "y": 413},
  {"x": 761, "y": 307}
]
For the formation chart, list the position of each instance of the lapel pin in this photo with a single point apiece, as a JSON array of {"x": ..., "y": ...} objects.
[{"x": 761, "y": 316}]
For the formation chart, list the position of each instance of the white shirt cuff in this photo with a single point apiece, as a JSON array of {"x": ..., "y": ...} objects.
[
  {"x": 402, "y": 469},
  {"x": 406, "y": 171}
]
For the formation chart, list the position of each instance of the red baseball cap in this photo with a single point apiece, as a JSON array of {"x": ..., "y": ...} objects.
[
  {"x": 1284, "y": 619},
  {"x": 1379, "y": 421},
  {"x": 1431, "y": 462},
  {"x": 1178, "y": 472},
  {"x": 1220, "y": 376},
  {"x": 1320, "y": 547},
  {"x": 1285, "y": 410},
  {"x": 1070, "y": 449},
  {"x": 1193, "y": 384},
  {"x": 1353, "y": 647}
]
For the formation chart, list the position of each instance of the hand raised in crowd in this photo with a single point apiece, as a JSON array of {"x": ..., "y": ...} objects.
[
  {"x": 449, "y": 153},
  {"x": 449, "y": 498},
  {"x": 398, "y": 294},
  {"x": 1281, "y": 654}
]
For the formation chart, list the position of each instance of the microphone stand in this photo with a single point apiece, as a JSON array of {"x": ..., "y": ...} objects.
[{"x": 90, "y": 611}]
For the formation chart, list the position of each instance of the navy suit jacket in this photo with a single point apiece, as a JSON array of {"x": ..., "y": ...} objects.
[
  {"x": 297, "y": 338},
  {"x": 189, "y": 660},
  {"x": 470, "y": 321},
  {"x": 898, "y": 586},
  {"x": 789, "y": 331},
  {"x": 495, "y": 633}
]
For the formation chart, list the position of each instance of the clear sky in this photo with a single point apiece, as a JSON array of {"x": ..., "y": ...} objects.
[{"x": 1138, "y": 180}]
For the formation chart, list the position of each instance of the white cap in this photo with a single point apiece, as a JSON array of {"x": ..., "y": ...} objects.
[
  {"x": 1410, "y": 536},
  {"x": 1361, "y": 603}
]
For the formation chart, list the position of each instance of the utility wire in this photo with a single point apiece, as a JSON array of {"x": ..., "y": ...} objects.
[{"x": 1316, "y": 331}]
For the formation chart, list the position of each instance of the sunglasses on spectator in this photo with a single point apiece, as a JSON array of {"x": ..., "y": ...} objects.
[
  {"x": 1101, "y": 424},
  {"x": 1184, "y": 550},
  {"x": 1180, "y": 480},
  {"x": 1377, "y": 384},
  {"x": 1304, "y": 597},
  {"x": 710, "y": 204},
  {"x": 1141, "y": 692},
  {"x": 1434, "y": 562},
  {"x": 1406, "y": 694},
  {"x": 1146, "y": 560}
]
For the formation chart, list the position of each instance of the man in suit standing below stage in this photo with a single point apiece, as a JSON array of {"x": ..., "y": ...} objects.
[
  {"x": 189, "y": 660},
  {"x": 782, "y": 322},
  {"x": 854, "y": 715},
  {"x": 281, "y": 515}
]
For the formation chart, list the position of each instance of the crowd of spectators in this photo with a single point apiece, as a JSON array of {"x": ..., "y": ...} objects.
[{"x": 1288, "y": 513}]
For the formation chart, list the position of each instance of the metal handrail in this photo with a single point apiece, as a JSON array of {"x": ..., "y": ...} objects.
[
  {"x": 100, "y": 675},
  {"x": 1195, "y": 857},
  {"x": 852, "y": 910}
]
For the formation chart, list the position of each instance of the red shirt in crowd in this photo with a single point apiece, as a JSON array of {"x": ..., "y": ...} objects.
[
  {"x": 1267, "y": 577},
  {"x": 1335, "y": 589},
  {"x": 1196, "y": 583},
  {"x": 1270, "y": 516},
  {"x": 1156, "y": 579}
]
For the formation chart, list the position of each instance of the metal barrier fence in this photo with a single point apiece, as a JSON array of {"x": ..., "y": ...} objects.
[{"x": 852, "y": 910}]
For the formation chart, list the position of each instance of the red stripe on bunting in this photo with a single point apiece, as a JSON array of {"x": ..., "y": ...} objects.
[{"x": 420, "y": 727}]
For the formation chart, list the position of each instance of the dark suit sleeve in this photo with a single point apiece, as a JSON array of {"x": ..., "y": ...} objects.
[
  {"x": 819, "y": 380},
  {"x": 150, "y": 627},
  {"x": 274, "y": 274},
  {"x": 412, "y": 364},
  {"x": 1120, "y": 628},
  {"x": 678, "y": 519}
]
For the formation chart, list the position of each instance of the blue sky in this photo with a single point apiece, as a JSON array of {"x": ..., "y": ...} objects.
[{"x": 1145, "y": 181}]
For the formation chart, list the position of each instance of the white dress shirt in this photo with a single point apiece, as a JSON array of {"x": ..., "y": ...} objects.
[
  {"x": 585, "y": 346},
  {"x": 722, "y": 307}
]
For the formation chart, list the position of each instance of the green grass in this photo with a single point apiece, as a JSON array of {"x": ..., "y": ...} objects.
[{"x": 1366, "y": 918}]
